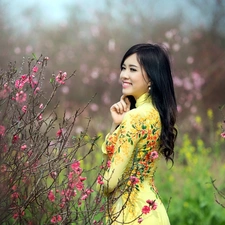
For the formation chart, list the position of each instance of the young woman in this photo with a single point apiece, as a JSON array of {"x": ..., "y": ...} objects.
[{"x": 142, "y": 131}]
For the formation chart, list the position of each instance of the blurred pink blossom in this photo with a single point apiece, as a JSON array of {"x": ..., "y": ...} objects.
[
  {"x": 223, "y": 134},
  {"x": 35, "y": 69},
  {"x": 134, "y": 180},
  {"x": 140, "y": 220},
  {"x": 51, "y": 196},
  {"x": 100, "y": 180},
  {"x": 146, "y": 209},
  {"x": 23, "y": 147},
  {"x": 60, "y": 78},
  {"x": 21, "y": 97},
  {"x": 2, "y": 130},
  {"x": 24, "y": 108}
]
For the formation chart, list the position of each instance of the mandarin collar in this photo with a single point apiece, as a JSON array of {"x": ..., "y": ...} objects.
[{"x": 145, "y": 98}]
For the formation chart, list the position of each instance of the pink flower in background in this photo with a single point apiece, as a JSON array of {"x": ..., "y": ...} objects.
[
  {"x": 2, "y": 130},
  {"x": 40, "y": 117},
  {"x": 146, "y": 209},
  {"x": 134, "y": 180},
  {"x": 35, "y": 69},
  {"x": 23, "y": 147},
  {"x": 83, "y": 197},
  {"x": 15, "y": 139},
  {"x": 76, "y": 167},
  {"x": 51, "y": 196},
  {"x": 60, "y": 78},
  {"x": 54, "y": 220},
  {"x": 21, "y": 82},
  {"x": 140, "y": 220},
  {"x": 100, "y": 179},
  {"x": 79, "y": 185},
  {"x": 41, "y": 106},
  {"x": 3, "y": 168},
  {"x": 59, "y": 133},
  {"x": 154, "y": 155},
  {"x": 15, "y": 195},
  {"x": 21, "y": 97},
  {"x": 108, "y": 163},
  {"x": 24, "y": 109},
  {"x": 82, "y": 178},
  {"x": 223, "y": 134}
]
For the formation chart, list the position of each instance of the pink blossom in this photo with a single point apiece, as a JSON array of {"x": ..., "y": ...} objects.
[
  {"x": 134, "y": 180},
  {"x": 21, "y": 97},
  {"x": 82, "y": 178},
  {"x": 51, "y": 196},
  {"x": 59, "y": 218},
  {"x": 54, "y": 220},
  {"x": 76, "y": 167},
  {"x": 59, "y": 133},
  {"x": 83, "y": 197},
  {"x": 100, "y": 179},
  {"x": 24, "y": 109},
  {"x": 89, "y": 191},
  {"x": 53, "y": 174},
  {"x": 154, "y": 155},
  {"x": 60, "y": 78},
  {"x": 108, "y": 163},
  {"x": 21, "y": 82},
  {"x": 70, "y": 176},
  {"x": 15, "y": 195},
  {"x": 37, "y": 89},
  {"x": 3, "y": 168},
  {"x": 79, "y": 185},
  {"x": 33, "y": 82},
  {"x": 23, "y": 147},
  {"x": 152, "y": 204},
  {"x": 2, "y": 130},
  {"x": 146, "y": 209},
  {"x": 15, "y": 139},
  {"x": 35, "y": 69},
  {"x": 140, "y": 220},
  {"x": 40, "y": 117},
  {"x": 222, "y": 134},
  {"x": 41, "y": 106}
]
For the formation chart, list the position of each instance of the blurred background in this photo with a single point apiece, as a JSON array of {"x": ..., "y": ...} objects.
[{"x": 90, "y": 37}]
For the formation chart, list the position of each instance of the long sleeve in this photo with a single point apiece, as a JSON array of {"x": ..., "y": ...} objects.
[{"x": 127, "y": 138}]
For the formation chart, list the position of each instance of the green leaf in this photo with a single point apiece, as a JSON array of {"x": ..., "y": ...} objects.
[
  {"x": 34, "y": 56},
  {"x": 51, "y": 80}
]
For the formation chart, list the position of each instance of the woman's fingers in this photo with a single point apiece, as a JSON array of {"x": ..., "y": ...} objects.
[{"x": 126, "y": 103}]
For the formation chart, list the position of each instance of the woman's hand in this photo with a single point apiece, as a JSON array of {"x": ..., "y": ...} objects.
[{"x": 119, "y": 109}]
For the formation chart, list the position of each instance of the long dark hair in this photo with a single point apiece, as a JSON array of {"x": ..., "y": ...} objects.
[{"x": 154, "y": 59}]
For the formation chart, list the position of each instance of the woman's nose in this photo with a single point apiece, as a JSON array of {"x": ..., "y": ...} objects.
[{"x": 124, "y": 74}]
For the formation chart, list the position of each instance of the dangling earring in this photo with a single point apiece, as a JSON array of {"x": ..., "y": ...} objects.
[{"x": 149, "y": 88}]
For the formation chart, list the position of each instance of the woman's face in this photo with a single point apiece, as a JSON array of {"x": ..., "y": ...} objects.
[{"x": 134, "y": 79}]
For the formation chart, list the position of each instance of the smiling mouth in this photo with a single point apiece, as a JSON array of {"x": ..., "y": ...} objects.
[{"x": 126, "y": 84}]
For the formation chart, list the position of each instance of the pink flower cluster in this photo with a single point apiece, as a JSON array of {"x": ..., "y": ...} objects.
[
  {"x": 61, "y": 77},
  {"x": 134, "y": 180},
  {"x": 75, "y": 180},
  {"x": 152, "y": 205},
  {"x": 56, "y": 219}
]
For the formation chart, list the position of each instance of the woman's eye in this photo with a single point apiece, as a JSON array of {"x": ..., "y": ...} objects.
[
  {"x": 133, "y": 70},
  {"x": 123, "y": 68}
]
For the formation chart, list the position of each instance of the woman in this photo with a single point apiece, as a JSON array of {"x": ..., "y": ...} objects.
[{"x": 142, "y": 131}]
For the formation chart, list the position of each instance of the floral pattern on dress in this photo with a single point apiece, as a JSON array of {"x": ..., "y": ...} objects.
[{"x": 133, "y": 149}]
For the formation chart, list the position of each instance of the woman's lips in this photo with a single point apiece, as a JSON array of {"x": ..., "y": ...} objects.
[{"x": 126, "y": 84}]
